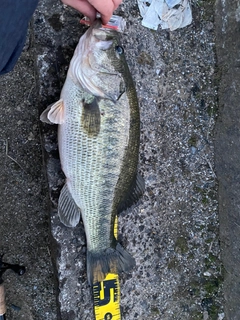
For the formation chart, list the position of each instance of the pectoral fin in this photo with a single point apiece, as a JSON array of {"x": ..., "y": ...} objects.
[
  {"x": 68, "y": 211},
  {"x": 135, "y": 192},
  {"x": 91, "y": 118},
  {"x": 54, "y": 113}
]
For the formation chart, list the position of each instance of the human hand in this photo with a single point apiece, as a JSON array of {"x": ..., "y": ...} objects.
[{"x": 90, "y": 7}]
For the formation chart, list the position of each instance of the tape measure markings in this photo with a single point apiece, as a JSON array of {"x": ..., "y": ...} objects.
[{"x": 106, "y": 295}]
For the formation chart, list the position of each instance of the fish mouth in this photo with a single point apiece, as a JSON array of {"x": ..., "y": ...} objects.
[{"x": 100, "y": 32}]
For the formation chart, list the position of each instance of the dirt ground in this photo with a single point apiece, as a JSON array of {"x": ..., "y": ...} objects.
[
  {"x": 24, "y": 218},
  {"x": 173, "y": 232}
]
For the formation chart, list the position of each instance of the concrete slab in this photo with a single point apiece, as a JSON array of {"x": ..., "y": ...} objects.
[{"x": 227, "y": 148}]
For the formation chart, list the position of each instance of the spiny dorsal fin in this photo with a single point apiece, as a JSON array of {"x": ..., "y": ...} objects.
[
  {"x": 54, "y": 113},
  {"x": 68, "y": 211},
  {"x": 135, "y": 192}
]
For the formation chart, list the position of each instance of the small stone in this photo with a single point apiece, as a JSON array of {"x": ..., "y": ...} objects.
[
  {"x": 14, "y": 307},
  {"x": 193, "y": 150},
  {"x": 205, "y": 315},
  {"x": 221, "y": 316},
  {"x": 31, "y": 136}
]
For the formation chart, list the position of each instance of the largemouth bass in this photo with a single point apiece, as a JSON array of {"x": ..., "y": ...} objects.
[{"x": 98, "y": 137}]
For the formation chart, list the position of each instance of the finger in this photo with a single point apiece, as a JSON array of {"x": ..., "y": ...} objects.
[
  {"x": 105, "y": 8},
  {"x": 116, "y": 3},
  {"x": 82, "y": 6}
]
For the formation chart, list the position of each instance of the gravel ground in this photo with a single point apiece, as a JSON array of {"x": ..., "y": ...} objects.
[{"x": 173, "y": 232}]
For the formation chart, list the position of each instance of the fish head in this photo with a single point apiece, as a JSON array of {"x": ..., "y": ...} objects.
[{"x": 99, "y": 65}]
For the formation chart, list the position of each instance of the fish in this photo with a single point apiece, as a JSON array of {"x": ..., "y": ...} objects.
[{"x": 98, "y": 139}]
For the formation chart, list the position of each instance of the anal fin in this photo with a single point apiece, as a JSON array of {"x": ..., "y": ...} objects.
[
  {"x": 68, "y": 211},
  {"x": 91, "y": 118}
]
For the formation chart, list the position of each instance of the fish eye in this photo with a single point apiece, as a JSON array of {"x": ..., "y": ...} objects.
[{"x": 119, "y": 49}]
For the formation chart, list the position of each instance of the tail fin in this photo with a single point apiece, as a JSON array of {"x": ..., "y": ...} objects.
[{"x": 109, "y": 261}]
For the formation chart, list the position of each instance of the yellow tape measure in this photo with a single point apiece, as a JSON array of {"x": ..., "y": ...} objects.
[{"x": 106, "y": 295}]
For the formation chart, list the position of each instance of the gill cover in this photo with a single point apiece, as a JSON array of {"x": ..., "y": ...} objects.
[{"x": 93, "y": 65}]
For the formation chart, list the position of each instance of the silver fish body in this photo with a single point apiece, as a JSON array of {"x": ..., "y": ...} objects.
[{"x": 98, "y": 136}]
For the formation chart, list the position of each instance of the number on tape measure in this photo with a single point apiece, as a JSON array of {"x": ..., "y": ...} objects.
[
  {"x": 108, "y": 316},
  {"x": 102, "y": 292}
]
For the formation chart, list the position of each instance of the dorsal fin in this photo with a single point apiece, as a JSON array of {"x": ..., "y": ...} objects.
[{"x": 135, "y": 192}]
